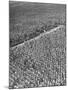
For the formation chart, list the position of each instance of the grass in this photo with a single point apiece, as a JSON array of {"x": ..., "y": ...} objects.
[{"x": 40, "y": 62}]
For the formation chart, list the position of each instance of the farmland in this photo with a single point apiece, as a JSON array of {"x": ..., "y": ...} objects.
[
  {"x": 28, "y": 20},
  {"x": 37, "y": 45}
]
